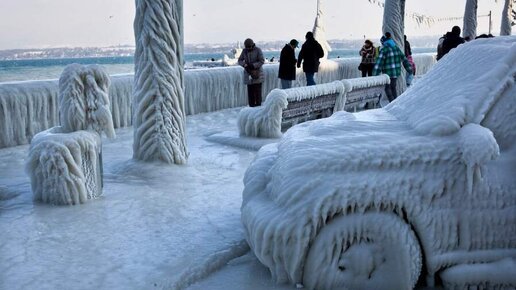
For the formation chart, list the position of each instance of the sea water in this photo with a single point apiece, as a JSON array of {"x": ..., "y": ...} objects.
[{"x": 40, "y": 69}]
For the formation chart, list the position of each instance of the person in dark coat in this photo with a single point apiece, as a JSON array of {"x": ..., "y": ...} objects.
[
  {"x": 310, "y": 53},
  {"x": 251, "y": 59},
  {"x": 452, "y": 40},
  {"x": 287, "y": 64}
]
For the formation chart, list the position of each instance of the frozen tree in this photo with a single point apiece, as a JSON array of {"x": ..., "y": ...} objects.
[
  {"x": 394, "y": 22},
  {"x": 320, "y": 30},
  {"x": 159, "y": 118},
  {"x": 507, "y": 18},
  {"x": 470, "y": 19}
]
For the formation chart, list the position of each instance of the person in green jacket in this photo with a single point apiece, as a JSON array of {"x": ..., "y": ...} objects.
[{"x": 389, "y": 62}]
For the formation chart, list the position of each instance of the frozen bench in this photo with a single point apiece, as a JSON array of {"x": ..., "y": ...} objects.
[
  {"x": 65, "y": 162},
  {"x": 365, "y": 91},
  {"x": 284, "y": 108}
]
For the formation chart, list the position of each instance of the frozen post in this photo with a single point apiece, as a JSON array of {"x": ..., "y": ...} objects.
[
  {"x": 470, "y": 20},
  {"x": 507, "y": 18},
  {"x": 159, "y": 118},
  {"x": 394, "y": 22},
  {"x": 65, "y": 163},
  {"x": 320, "y": 30}
]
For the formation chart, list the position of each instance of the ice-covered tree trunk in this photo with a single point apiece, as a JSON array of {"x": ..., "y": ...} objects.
[
  {"x": 159, "y": 117},
  {"x": 469, "y": 29},
  {"x": 394, "y": 22},
  {"x": 507, "y": 18},
  {"x": 320, "y": 30}
]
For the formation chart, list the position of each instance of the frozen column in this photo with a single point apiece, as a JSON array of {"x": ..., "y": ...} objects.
[
  {"x": 159, "y": 117},
  {"x": 65, "y": 163},
  {"x": 320, "y": 29},
  {"x": 507, "y": 18},
  {"x": 394, "y": 22},
  {"x": 469, "y": 29}
]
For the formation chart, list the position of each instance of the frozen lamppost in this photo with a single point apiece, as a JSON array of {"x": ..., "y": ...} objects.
[
  {"x": 158, "y": 104},
  {"x": 508, "y": 18},
  {"x": 320, "y": 29},
  {"x": 394, "y": 22},
  {"x": 469, "y": 29}
]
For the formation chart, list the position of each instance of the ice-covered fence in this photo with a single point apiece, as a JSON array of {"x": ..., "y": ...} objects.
[{"x": 27, "y": 108}]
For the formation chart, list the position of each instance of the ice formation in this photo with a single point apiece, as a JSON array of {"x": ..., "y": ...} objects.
[
  {"x": 319, "y": 29},
  {"x": 348, "y": 201},
  {"x": 65, "y": 164},
  {"x": 27, "y": 108},
  {"x": 84, "y": 101},
  {"x": 64, "y": 167},
  {"x": 507, "y": 18},
  {"x": 394, "y": 22},
  {"x": 159, "y": 101},
  {"x": 469, "y": 29},
  {"x": 264, "y": 121}
]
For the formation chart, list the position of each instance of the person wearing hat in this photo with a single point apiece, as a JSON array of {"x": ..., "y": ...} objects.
[
  {"x": 251, "y": 59},
  {"x": 287, "y": 64},
  {"x": 310, "y": 53}
]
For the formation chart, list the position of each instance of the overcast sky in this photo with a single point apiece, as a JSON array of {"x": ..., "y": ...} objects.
[{"x": 55, "y": 23}]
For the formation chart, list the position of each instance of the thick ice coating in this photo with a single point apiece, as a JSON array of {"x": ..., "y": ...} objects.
[{"x": 436, "y": 167}]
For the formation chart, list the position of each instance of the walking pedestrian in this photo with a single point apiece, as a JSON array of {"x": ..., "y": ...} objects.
[
  {"x": 389, "y": 62},
  {"x": 311, "y": 52},
  {"x": 287, "y": 64}
]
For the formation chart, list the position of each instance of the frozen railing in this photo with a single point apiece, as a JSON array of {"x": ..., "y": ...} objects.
[
  {"x": 27, "y": 108},
  {"x": 283, "y": 108}
]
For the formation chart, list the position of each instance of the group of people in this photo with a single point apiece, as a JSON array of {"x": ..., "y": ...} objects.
[
  {"x": 252, "y": 61},
  {"x": 386, "y": 59}
]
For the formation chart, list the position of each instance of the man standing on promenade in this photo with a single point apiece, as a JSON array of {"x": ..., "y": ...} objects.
[
  {"x": 287, "y": 64},
  {"x": 252, "y": 61},
  {"x": 389, "y": 62},
  {"x": 311, "y": 52}
]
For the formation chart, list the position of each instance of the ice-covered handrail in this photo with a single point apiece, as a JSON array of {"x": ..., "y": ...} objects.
[
  {"x": 264, "y": 121},
  {"x": 312, "y": 92},
  {"x": 361, "y": 83},
  {"x": 84, "y": 100}
]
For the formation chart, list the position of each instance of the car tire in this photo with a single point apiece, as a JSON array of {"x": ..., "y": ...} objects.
[{"x": 373, "y": 250}]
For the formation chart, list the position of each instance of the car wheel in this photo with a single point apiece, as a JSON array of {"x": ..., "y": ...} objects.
[{"x": 363, "y": 251}]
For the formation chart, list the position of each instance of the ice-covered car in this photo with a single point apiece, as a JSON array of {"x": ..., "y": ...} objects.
[{"x": 422, "y": 191}]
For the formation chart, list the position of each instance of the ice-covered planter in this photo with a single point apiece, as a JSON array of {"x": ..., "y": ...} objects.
[
  {"x": 65, "y": 164},
  {"x": 371, "y": 200},
  {"x": 65, "y": 168}
]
